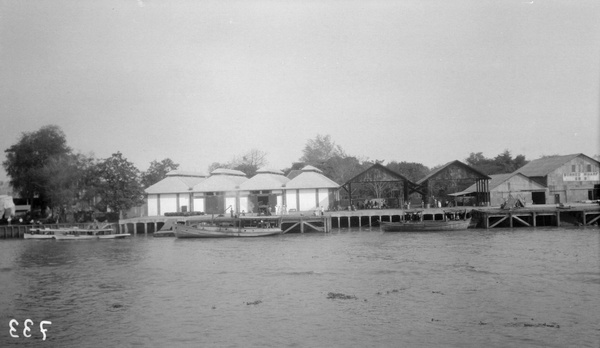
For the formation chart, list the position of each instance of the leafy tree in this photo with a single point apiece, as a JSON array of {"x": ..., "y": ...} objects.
[
  {"x": 411, "y": 170},
  {"x": 503, "y": 163},
  {"x": 64, "y": 175},
  {"x": 119, "y": 185},
  {"x": 317, "y": 151},
  {"x": 341, "y": 169},
  {"x": 25, "y": 160},
  {"x": 157, "y": 171}
]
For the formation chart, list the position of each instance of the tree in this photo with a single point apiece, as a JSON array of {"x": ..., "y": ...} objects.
[
  {"x": 319, "y": 150},
  {"x": 63, "y": 187},
  {"x": 157, "y": 171},
  {"x": 26, "y": 158},
  {"x": 503, "y": 163},
  {"x": 411, "y": 170},
  {"x": 341, "y": 169},
  {"x": 119, "y": 185},
  {"x": 250, "y": 162}
]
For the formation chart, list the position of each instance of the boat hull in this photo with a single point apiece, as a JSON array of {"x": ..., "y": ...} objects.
[
  {"x": 37, "y": 236},
  {"x": 426, "y": 226},
  {"x": 182, "y": 231}
]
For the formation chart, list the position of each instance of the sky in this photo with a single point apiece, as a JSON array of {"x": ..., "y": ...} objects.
[{"x": 427, "y": 81}]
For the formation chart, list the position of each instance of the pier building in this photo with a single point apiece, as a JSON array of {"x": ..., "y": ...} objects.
[
  {"x": 219, "y": 192},
  {"x": 265, "y": 191},
  {"x": 454, "y": 177},
  {"x": 569, "y": 178},
  {"x": 173, "y": 193},
  {"x": 310, "y": 190},
  {"x": 504, "y": 186}
]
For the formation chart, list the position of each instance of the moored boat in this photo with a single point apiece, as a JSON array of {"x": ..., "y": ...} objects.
[
  {"x": 90, "y": 232},
  {"x": 39, "y": 233},
  {"x": 429, "y": 221},
  {"x": 258, "y": 226}
]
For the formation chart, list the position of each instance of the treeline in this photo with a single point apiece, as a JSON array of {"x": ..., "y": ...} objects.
[
  {"x": 44, "y": 169},
  {"x": 323, "y": 153}
]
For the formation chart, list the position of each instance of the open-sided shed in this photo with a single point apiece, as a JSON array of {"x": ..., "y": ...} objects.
[
  {"x": 454, "y": 177},
  {"x": 380, "y": 182}
]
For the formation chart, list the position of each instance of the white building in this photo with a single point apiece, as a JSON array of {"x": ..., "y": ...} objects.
[
  {"x": 173, "y": 194},
  {"x": 219, "y": 193},
  {"x": 264, "y": 191},
  {"x": 310, "y": 190}
]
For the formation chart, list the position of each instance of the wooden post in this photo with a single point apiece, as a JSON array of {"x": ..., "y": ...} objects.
[
  {"x": 534, "y": 223},
  {"x": 557, "y": 218}
]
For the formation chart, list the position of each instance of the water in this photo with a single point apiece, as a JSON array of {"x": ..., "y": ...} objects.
[{"x": 493, "y": 288}]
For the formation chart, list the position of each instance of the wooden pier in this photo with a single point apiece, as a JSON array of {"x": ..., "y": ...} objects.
[
  {"x": 539, "y": 215},
  {"x": 290, "y": 223}
]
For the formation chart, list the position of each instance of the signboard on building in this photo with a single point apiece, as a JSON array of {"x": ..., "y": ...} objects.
[{"x": 582, "y": 176}]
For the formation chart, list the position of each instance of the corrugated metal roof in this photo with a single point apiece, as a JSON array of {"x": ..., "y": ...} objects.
[
  {"x": 264, "y": 181},
  {"x": 174, "y": 184},
  {"x": 545, "y": 166},
  {"x": 220, "y": 183},
  {"x": 311, "y": 179}
]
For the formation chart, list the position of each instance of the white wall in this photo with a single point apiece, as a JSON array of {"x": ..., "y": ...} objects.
[
  {"x": 184, "y": 199},
  {"x": 199, "y": 204},
  {"x": 324, "y": 198},
  {"x": 168, "y": 203},
  {"x": 230, "y": 201},
  {"x": 290, "y": 197},
  {"x": 244, "y": 204},
  {"x": 307, "y": 199},
  {"x": 152, "y": 205}
]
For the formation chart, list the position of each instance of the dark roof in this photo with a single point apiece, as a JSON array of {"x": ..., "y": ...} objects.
[
  {"x": 379, "y": 166},
  {"x": 458, "y": 163},
  {"x": 546, "y": 165}
]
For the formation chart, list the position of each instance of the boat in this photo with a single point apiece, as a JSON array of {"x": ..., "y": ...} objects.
[
  {"x": 168, "y": 230},
  {"x": 39, "y": 233},
  {"x": 433, "y": 220},
  {"x": 87, "y": 233},
  {"x": 251, "y": 226}
]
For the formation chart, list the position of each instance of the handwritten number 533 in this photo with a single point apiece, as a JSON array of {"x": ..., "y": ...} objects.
[{"x": 27, "y": 328}]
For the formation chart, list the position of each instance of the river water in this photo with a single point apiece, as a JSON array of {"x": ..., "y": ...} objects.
[{"x": 536, "y": 287}]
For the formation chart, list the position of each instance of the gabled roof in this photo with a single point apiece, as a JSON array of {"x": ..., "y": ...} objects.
[
  {"x": 445, "y": 166},
  {"x": 311, "y": 177},
  {"x": 382, "y": 168},
  {"x": 265, "y": 179},
  {"x": 546, "y": 165},
  {"x": 175, "y": 184}
]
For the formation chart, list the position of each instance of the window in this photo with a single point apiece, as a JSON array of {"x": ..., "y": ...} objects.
[{"x": 588, "y": 168}]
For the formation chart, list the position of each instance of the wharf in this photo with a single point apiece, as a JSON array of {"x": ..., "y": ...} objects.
[
  {"x": 295, "y": 222},
  {"x": 571, "y": 214}
]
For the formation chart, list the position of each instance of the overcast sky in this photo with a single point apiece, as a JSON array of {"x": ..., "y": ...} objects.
[{"x": 426, "y": 81}]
